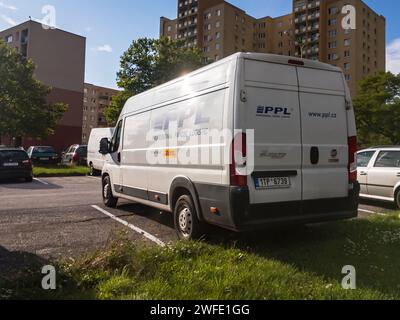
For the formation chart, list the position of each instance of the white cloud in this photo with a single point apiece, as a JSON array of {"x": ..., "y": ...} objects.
[
  {"x": 8, "y": 6},
  {"x": 88, "y": 29},
  {"x": 105, "y": 48},
  {"x": 393, "y": 56},
  {"x": 8, "y": 20}
]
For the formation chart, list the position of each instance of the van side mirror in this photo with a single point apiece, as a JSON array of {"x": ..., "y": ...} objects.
[{"x": 104, "y": 146}]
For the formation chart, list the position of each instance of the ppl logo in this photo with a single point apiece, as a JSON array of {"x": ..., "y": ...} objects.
[{"x": 273, "y": 112}]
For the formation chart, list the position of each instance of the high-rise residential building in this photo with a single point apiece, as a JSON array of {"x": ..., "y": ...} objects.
[
  {"x": 95, "y": 100},
  {"x": 59, "y": 57},
  {"x": 313, "y": 30}
]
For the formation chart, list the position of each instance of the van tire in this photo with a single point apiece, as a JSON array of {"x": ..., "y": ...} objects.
[
  {"x": 108, "y": 197},
  {"x": 29, "y": 179},
  {"x": 187, "y": 225}
]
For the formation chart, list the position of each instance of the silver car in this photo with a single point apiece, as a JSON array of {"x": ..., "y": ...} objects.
[{"x": 379, "y": 173}]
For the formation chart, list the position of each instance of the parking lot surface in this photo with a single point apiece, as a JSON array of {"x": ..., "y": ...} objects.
[{"x": 64, "y": 217}]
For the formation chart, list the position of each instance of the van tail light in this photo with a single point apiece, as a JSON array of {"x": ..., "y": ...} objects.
[
  {"x": 75, "y": 157},
  {"x": 27, "y": 162},
  {"x": 352, "y": 143},
  {"x": 239, "y": 154}
]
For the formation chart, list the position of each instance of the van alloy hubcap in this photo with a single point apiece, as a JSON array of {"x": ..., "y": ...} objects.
[{"x": 185, "y": 221}]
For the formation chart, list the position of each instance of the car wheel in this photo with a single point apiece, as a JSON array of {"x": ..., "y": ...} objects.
[
  {"x": 398, "y": 198},
  {"x": 29, "y": 179},
  {"x": 187, "y": 225},
  {"x": 108, "y": 197}
]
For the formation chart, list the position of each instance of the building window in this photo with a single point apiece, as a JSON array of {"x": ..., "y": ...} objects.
[
  {"x": 218, "y": 24},
  {"x": 332, "y": 45},
  {"x": 332, "y": 22},
  {"x": 217, "y": 57},
  {"x": 332, "y": 33},
  {"x": 347, "y": 53},
  {"x": 218, "y": 35},
  {"x": 347, "y": 77},
  {"x": 333, "y": 56},
  {"x": 9, "y": 39},
  {"x": 333, "y": 10},
  {"x": 218, "y": 12},
  {"x": 217, "y": 46},
  {"x": 347, "y": 66},
  {"x": 169, "y": 28},
  {"x": 347, "y": 42}
]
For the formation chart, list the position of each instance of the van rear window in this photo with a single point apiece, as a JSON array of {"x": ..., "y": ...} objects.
[{"x": 13, "y": 155}]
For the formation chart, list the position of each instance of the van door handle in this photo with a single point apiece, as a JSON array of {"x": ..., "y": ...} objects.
[
  {"x": 119, "y": 157},
  {"x": 398, "y": 174},
  {"x": 314, "y": 155},
  {"x": 362, "y": 173}
]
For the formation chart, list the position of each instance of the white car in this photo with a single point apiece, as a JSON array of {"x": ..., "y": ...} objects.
[
  {"x": 95, "y": 159},
  {"x": 250, "y": 141},
  {"x": 379, "y": 173}
]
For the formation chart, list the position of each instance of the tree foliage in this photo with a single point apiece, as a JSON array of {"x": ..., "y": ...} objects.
[
  {"x": 148, "y": 63},
  {"x": 377, "y": 108},
  {"x": 24, "y": 111}
]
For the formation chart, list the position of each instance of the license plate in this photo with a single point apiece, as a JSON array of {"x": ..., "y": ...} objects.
[
  {"x": 11, "y": 164},
  {"x": 272, "y": 183}
]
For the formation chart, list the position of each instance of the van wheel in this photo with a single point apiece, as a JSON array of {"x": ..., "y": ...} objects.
[
  {"x": 398, "y": 198},
  {"x": 187, "y": 225},
  {"x": 108, "y": 198},
  {"x": 93, "y": 172}
]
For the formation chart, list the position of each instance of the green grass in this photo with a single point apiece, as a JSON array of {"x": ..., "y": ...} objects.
[
  {"x": 303, "y": 263},
  {"x": 59, "y": 171}
]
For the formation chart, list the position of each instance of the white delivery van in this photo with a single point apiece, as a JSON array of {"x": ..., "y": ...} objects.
[
  {"x": 292, "y": 162},
  {"x": 95, "y": 159}
]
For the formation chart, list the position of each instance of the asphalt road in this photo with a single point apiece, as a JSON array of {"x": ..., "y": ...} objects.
[{"x": 64, "y": 217}]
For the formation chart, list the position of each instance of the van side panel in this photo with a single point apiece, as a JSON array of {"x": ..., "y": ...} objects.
[{"x": 191, "y": 149}]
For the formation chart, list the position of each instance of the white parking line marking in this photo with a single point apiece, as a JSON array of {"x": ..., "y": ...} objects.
[
  {"x": 91, "y": 177},
  {"x": 366, "y": 211},
  {"x": 41, "y": 181},
  {"x": 131, "y": 226}
]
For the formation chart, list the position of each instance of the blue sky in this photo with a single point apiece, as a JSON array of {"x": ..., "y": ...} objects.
[{"x": 110, "y": 26}]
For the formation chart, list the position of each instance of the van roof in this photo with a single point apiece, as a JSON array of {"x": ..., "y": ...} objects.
[
  {"x": 139, "y": 101},
  {"x": 274, "y": 58}
]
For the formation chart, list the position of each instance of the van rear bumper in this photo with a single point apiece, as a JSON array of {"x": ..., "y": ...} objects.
[{"x": 236, "y": 213}]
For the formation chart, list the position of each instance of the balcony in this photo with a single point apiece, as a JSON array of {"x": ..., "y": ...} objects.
[
  {"x": 315, "y": 4},
  {"x": 313, "y": 16}
]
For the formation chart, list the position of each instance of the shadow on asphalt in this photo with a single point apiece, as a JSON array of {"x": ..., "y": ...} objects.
[
  {"x": 19, "y": 270},
  {"x": 22, "y": 185},
  {"x": 152, "y": 214},
  {"x": 381, "y": 204}
]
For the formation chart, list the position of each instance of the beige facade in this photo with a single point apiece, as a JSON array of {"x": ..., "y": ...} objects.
[
  {"x": 59, "y": 57},
  {"x": 313, "y": 30},
  {"x": 95, "y": 100}
]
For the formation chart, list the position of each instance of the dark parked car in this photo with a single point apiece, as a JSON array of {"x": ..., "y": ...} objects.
[
  {"x": 43, "y": 155},
  {"x": 15, "y": 164},
  {"x": 75, "y": 155}
]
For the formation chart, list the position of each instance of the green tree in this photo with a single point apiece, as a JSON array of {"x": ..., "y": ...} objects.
[
  {"x": 377, "y": 108},
  {"x": 24, "y": 111},
  {"x": 148, "y": 63}
]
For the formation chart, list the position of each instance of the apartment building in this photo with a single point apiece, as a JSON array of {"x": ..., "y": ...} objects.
[
  {"x": 320, "y": 35},
  {"x": 59, "y": 57},
  {"x": 95, "y": 100},
  {"x": 313, "y": 30}
]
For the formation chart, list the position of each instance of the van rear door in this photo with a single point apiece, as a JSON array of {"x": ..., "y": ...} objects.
[
  {"x": 324, "y": 134},
  {"x": 272, "y": 110}
]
